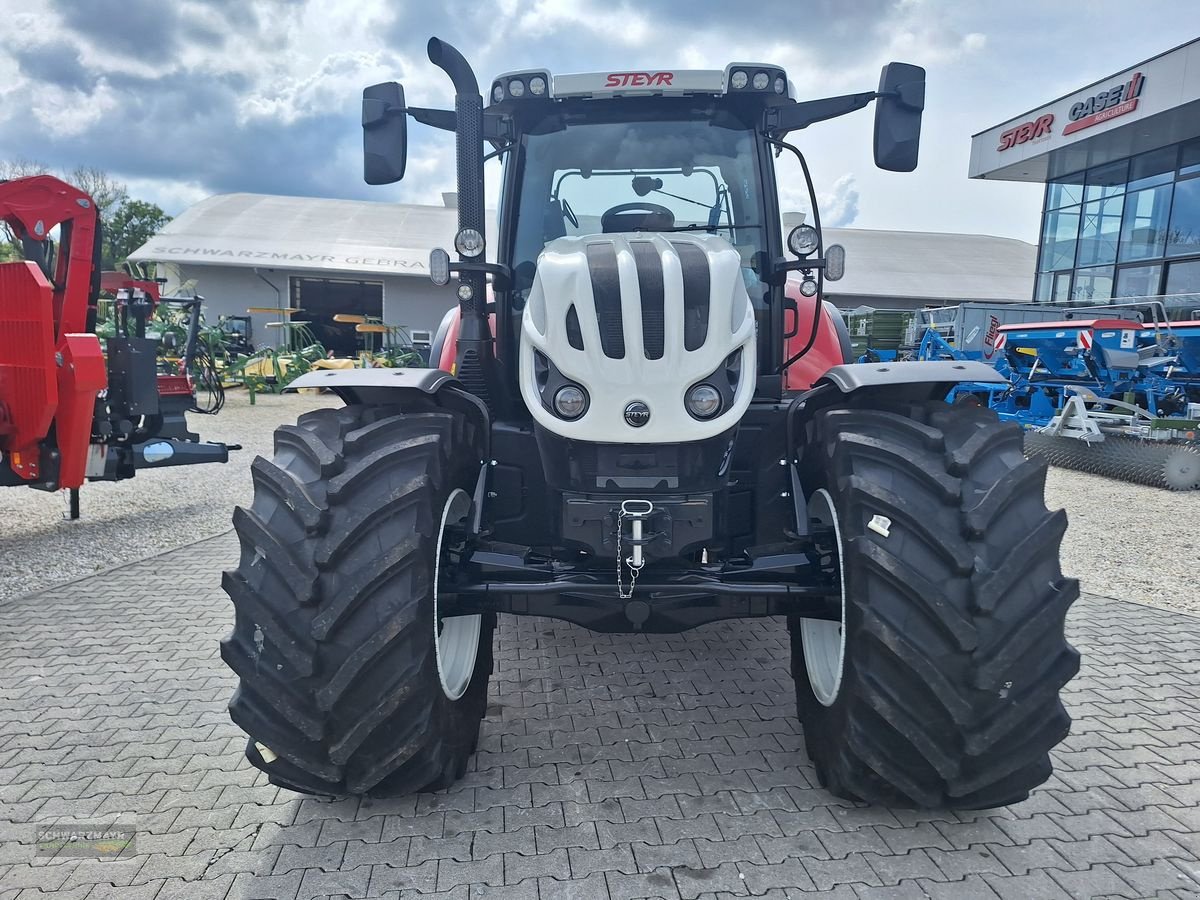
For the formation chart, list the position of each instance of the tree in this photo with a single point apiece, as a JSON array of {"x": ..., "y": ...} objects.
[
  {"x": 127, "y": 224},
  {"x": 21, "y": 168},
  {"x": 133, "y": 223},
  {"x": 107, "y": 193}
]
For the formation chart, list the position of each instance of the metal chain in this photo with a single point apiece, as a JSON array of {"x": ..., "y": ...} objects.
[{"x": 634, "y": 571}]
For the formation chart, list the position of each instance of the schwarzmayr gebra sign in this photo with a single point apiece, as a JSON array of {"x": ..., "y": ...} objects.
[{"x": 281, "y": 259}]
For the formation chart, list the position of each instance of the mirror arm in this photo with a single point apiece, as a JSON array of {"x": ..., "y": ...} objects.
[
  {"x": 444, "y": 119},
  {"x": 781, "y": 119},
  {"x": 496, "y": 127}
]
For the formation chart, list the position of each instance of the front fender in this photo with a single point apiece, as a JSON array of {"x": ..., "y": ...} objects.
[
  {"x": 350, "y": 383},
  {"x": 392, "y": 386},
  {"x": 935, "y": 374}
]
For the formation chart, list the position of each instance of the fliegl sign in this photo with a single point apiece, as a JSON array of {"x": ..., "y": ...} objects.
[{"x": 1105, "y": 105}]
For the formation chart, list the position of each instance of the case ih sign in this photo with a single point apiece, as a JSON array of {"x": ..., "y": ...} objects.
[
  {"x": 1106, "y": 105},
  {"x": 1039, "y": 127}
]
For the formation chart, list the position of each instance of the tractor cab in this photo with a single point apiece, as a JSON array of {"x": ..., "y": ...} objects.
[{"x": 669, "y": 152}]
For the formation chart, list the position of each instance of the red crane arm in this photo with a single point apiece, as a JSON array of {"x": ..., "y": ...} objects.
[
  {"x": 31, "y": 207},
  {"x": 51, "y": 368}
]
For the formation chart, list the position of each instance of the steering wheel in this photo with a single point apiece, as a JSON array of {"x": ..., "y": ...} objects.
[
  {"x": 639, "y": 216},
  {"x": 569, "y": 214}
]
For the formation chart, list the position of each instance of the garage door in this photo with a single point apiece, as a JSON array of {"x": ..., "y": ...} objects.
[{"x": 323, "y": 298}]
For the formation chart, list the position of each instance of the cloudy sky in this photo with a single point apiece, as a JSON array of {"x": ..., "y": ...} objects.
[{"x": 185, "y": 98}]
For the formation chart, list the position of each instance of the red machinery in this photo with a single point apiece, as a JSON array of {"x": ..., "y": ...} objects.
[{"x": 68, "y": 411}]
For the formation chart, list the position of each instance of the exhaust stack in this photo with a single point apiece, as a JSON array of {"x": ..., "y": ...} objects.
[{"x": 475, "y": 364}]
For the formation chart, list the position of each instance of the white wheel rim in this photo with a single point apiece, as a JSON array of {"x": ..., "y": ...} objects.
[
  {"x": 456, "y": 644},
  {"x": 824, "y": 641}
]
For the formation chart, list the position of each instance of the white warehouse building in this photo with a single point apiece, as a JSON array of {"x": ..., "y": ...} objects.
[
  {"x": 324, "y": 257},
  {"x": 244, "y": 252}
]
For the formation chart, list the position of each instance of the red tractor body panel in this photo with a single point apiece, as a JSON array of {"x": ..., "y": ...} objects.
[{"x": 826, "y": 349}]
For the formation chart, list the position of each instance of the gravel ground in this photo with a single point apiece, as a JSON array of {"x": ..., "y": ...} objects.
[
  {"x": 156, "y": 511},
  {"x": 1125, "y": 541},
  {"x": 1130, "y": 541}
]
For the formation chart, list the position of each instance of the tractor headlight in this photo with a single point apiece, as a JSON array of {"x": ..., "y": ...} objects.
[
  {"x": 516, "y": 88},
  {"x": 537, "y": 85},
  {"x": 498, "y": 93},
  {"x": 739, "y": 80},
  {"x": 761, "y": 80},
  {"x": 802, "y": 240},
  {"x": 570, "y": 401},
  {"x": 780, "y": 84},
  {"x": 703, "y": 401},
  {"x": 469, "y": 242}
]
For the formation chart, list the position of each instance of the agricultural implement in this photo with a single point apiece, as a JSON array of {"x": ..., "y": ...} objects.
[
  {"x": 648, "y": 421},
  {"x": 70, "y": 409},
  {"x": 1115, "y": 396}
]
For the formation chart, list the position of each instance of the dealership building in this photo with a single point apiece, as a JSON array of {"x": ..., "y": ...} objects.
[
  {"x": 259, "y": 257},
  {"x": 1120, "y": 159}
]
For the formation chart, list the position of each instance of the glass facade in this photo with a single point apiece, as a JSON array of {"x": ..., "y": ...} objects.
[{"x": 1124, "y": 229}]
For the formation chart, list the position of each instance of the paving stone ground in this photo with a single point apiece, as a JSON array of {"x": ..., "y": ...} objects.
[{"x": 609, "y": 766}]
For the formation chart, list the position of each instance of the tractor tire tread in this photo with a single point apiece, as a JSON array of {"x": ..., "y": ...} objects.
[
  {"x": 956, "y": 650},
  {"x": 330, "y": 640}
]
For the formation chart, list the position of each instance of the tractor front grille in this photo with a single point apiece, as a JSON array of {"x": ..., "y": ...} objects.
[
  {"x": 606, "y": 290},
  {"x": 650, "y": 283}
]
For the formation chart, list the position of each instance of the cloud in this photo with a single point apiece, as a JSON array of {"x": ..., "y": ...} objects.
[
  {"x": 263, "y": 95},
  {"x": 125, "y": 26},
  {"x": 839, "y": 205},
  {"x": 191, "y": 96},
  {"x": 56, "y": 63}
]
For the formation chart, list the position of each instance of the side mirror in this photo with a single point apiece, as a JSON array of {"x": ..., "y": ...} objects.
[
  {"x": 835, "y": 262},
  {"x": 898, "y": 116},
  {"x": 385, "y": 133}
]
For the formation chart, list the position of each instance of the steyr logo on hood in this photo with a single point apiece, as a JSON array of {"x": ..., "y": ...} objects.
[
  {"x": 640, "y": 79},
  {"x": 637, "y": 414}
]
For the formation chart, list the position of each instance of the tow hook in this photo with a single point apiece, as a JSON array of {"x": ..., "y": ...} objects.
[{"x": 636, "y": 511}]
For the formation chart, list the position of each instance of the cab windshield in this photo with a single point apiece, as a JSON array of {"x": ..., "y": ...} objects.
[{"x": 696, "y": 174}]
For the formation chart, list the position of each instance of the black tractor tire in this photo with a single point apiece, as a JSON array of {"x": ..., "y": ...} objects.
[
  {"x": 333, "y": 639},
  {"x": 954, "y": 609}
]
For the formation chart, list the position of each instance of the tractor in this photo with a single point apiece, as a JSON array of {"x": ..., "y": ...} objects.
[{"x": 647, "y": 421}]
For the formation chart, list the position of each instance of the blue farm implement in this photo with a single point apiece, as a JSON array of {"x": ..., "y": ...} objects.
[{"x": 1114, "y": 395}]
